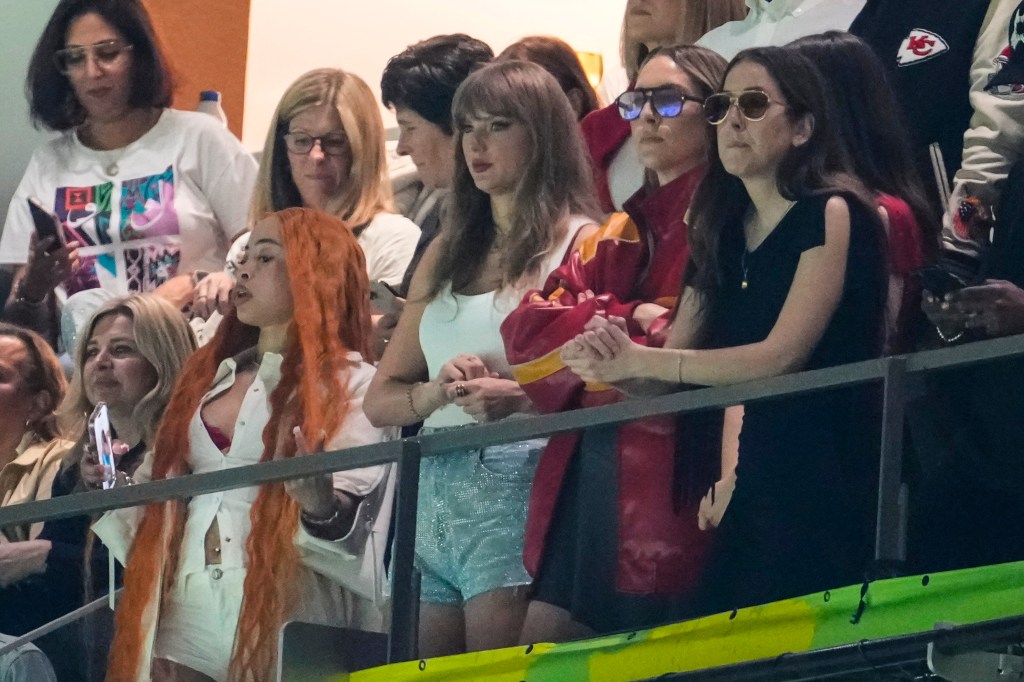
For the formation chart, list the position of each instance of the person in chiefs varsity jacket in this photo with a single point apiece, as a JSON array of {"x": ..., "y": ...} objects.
[{"x": 958, "y": 69}]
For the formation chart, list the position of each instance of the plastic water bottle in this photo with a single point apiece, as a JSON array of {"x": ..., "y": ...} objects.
[{"x": 209, "y": 103}]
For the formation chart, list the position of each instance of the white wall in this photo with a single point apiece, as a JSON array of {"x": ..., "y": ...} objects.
[
  {"x": 290, "y": 37},
  {"x": 23, "y": 22}
]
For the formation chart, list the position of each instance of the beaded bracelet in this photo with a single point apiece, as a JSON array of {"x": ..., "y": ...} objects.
[{"x": 950, "y": 339}]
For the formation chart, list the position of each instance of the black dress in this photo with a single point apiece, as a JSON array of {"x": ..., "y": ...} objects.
[{"x": 799, "y": 519}]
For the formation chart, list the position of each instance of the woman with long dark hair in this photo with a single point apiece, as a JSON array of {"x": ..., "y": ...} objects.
[
  {"x": 867, "y": 121},
  {"x": 646, "y": 25},
  {"x": 788, "y": 274}
]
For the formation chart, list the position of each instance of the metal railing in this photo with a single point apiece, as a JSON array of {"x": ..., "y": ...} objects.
[{"x": 896, "y": 373}]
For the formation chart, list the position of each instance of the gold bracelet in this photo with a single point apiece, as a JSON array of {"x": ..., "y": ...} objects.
[{"x": 412, "y": 407}]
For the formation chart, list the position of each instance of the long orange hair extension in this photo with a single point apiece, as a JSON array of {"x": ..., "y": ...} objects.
[{"x": 327, "y": 273}]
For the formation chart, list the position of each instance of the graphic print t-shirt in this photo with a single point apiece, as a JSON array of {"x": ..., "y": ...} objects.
[{"x": 180, "y": 193}]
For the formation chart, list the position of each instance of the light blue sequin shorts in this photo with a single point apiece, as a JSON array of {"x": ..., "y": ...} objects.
[{"x": 470, "y": 519}]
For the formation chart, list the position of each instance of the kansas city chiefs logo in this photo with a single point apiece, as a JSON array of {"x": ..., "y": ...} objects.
[{"x": 919, "y": 46}]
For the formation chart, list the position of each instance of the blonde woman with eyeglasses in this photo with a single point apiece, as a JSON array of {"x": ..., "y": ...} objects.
[
  {"x": 145, "y": 195},
  {"x": 325, "y": 150}
]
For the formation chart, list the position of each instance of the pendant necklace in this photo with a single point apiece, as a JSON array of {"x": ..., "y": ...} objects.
[
  {"x": 107, "y": 158},
  {"x": 111, "y": 168},
  {"x": 743, "y": 264}
]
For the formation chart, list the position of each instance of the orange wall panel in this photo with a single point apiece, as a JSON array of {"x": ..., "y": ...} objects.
[{"x": 207, "y": 43}]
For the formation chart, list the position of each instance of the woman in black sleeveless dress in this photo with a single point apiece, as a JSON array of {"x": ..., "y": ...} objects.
[{"x": 788, "y": 275}]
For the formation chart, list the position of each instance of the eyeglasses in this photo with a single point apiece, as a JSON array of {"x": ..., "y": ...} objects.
[
  {"x": 104, "y": 53},
  {"x": 666, "y": 101},
  {"x": 752, "y": 104},
  {"x": 302, "y": 143}
]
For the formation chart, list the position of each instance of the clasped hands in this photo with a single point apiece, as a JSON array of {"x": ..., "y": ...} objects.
[
  {"x": 481, "y": 393},
  {"x": 603, "y": 352}
]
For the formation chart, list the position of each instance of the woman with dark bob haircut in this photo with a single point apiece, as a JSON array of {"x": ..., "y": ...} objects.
[
  {"x": 419, "y": 83},
  {"x": 788, "y": 274},
  {"x": 52, "y": 100},
  {"x": 143, "y": 194}
]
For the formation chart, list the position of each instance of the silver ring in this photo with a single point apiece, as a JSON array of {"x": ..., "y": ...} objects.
[{"x": 460, "y": 390}]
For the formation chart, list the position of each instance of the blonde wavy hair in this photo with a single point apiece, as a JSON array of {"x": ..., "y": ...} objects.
[
  {"x": 163, "y": 338},
  {"x": 367, "y": 189},
  {"x": 696, "y": 17}
]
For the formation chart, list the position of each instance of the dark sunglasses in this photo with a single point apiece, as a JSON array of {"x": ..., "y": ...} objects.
[
  {"x": 666, "y": 101},
  {"x": 752, "y": 104}
]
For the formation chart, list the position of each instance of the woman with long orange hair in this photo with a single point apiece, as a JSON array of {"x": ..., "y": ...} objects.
[{"x": 278, "y": 380}]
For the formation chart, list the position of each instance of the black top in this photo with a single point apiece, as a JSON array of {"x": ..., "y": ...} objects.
[
  {"x": 799, "y": 518},
  {"x": 790, "y": 441},
  {"x": 784, "y": 438},
  {"x": 928, "y": 48}
]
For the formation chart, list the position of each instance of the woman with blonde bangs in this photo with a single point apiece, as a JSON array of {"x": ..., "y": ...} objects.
[
  {"x": 520, "y": 205},
  {"x": 210, "y": 581},
  {"x": 129, "y": 356},
  {"x": 647, "y": 24},
  {"x": 325, "y": 150}
]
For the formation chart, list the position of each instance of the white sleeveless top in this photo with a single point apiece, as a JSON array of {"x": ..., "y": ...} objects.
[{"x": 453, "y": 324}]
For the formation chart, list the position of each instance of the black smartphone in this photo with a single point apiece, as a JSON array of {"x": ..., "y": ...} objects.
[
  {"x": 47, "y": 223},
  {"x": 939, "y": 281}
]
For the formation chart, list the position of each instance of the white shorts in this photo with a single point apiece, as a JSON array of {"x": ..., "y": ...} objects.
[{"x": 197, "y": 627}]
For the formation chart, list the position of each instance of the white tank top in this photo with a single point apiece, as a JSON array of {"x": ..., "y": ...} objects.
[{"x": 453, "y": 324}]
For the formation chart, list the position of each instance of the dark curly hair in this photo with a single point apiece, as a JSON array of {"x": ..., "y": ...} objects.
[{"x": 424, "y": 77}]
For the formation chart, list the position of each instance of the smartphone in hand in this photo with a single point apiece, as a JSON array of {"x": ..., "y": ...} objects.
[
  {"x": 103, "y": 442},
  {"x": 47, "y": 224},
  {"x": 384, "y": 299},
  {"x": 939, "y": 281}
]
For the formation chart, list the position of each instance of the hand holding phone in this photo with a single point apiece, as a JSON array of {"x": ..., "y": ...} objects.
[
  {"x": 47, "y": 224},
  {"x": 384, "y": 299},
  {"x": 103, "y": 443}
]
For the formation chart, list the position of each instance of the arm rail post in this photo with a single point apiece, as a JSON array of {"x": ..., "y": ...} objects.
[
  {"x": 405, "y": 590},
  {"x": 891, "y": 521}
]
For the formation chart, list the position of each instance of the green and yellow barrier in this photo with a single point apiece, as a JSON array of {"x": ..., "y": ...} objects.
[{"x": 893, "y": 607}]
